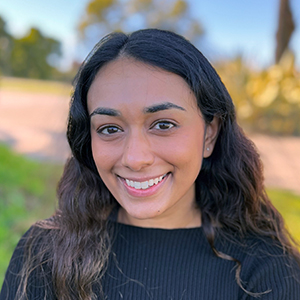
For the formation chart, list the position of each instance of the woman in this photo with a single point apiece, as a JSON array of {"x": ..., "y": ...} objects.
[{"x": 163, "y": 197}]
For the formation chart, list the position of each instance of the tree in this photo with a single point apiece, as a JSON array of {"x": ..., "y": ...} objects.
[
  {"x": 6, "y": 41},
  {"x": 286, "y": 26},
  {"x": 31, "y": 55},
  {"x": 267, "y": 101},
  {"x": 104, "y": 16}
]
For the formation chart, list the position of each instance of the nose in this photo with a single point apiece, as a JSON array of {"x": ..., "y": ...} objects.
[{"x": 137, "y": 152}]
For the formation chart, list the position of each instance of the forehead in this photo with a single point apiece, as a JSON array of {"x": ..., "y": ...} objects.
[{"x": 128, "y": 81}]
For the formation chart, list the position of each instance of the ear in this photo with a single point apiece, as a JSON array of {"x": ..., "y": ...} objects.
[{"x": 211, "y": 135}]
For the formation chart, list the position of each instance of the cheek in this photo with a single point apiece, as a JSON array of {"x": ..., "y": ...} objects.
[
  {"x": 103, "y": 155},
  {"x": 184, "y": 149}
]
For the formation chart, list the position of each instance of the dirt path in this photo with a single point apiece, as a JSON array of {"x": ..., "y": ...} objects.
[{"x": 35, "y": 124}]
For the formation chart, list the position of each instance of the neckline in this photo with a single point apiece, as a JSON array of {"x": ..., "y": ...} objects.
[
  {"x": 113, "y": 217},
  {"x": 134, "y": 227}
]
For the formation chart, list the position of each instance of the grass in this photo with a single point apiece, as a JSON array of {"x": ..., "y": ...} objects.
[
  {"x": 288, "y": 205},
  {"x": 35, "y": 86},
  {"x": 27, "y": 194}
]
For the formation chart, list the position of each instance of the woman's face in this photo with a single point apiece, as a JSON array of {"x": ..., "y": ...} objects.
[{"x": 148, "y": 141}]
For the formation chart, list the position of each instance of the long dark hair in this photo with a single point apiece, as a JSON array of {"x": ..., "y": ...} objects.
[{"x": 229, "y": 188}]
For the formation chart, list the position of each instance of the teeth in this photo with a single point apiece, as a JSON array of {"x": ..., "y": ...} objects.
[
  {"x": 137, "y": 185},
  {"x": 145, "y": 184}
]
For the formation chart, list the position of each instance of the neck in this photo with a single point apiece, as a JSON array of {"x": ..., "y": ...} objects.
[{"x": 190, "y": 219}]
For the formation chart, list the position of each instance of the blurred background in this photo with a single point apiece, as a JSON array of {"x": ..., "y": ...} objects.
[{"x": 254, "y": 45}]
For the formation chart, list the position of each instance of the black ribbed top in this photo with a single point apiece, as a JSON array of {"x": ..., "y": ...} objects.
[{"x": 178, "y": 264}]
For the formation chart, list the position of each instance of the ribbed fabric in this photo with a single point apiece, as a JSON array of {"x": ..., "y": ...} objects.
[{"x": 178, "y": 264}]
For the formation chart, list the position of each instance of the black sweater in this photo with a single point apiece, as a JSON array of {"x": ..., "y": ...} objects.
[{"x": 178, "y": 264}]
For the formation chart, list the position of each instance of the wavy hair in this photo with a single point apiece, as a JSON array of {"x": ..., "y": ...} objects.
[{"x": 229, "y": 188}]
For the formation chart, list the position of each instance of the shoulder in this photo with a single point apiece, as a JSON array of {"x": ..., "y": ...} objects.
[
  {"x": 268, "y": 270},
  {"x": 28, "y": 259},
  {"x": 20, "y": 250}
]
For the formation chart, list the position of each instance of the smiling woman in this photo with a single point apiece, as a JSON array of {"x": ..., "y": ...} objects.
[
  {"x": 163, "y": 195},
  {"x": 148, "y": 152}
]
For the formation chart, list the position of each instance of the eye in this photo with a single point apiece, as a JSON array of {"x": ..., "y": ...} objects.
[
  {"x": 164, "y": 125},
  {"x": 109, "y": 130}
]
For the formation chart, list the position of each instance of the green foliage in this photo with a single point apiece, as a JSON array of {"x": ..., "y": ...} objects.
[
  {"x": 30, "y": 55},
  {"x": 17, "y": 172},
  {"x": 27, "y": 194},
  {"x": 267, "y": 101},
  {"x": 102, "y": 17},
  {"x": 289, "y": 206},
  {"x": 6, "y": 41}
]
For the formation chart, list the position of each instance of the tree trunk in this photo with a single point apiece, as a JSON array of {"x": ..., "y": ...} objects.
[{"x": 285, "y": 29}]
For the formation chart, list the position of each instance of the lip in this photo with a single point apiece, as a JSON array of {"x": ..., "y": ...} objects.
[{"x": 144, "y": 192}]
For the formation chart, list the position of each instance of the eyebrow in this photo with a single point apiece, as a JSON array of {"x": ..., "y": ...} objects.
[
  {"x": 105, "y": 111},
  {"x": 162, "y": 106},
  {"x": 150, "y": 109}
]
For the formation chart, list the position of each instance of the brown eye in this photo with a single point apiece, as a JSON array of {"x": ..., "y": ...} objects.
[
  {"x": 109, "y": 130},
  {"x": 164, "y": 125}
]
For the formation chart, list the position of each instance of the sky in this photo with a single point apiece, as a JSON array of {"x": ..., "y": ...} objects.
[{"x": 232, "y": 27}]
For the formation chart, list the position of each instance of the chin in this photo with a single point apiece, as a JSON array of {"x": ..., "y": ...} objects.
[{"x": 144, "y": 214}]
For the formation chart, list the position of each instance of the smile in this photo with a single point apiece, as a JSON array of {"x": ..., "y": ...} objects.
[{"x": 145, "y": 184}]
